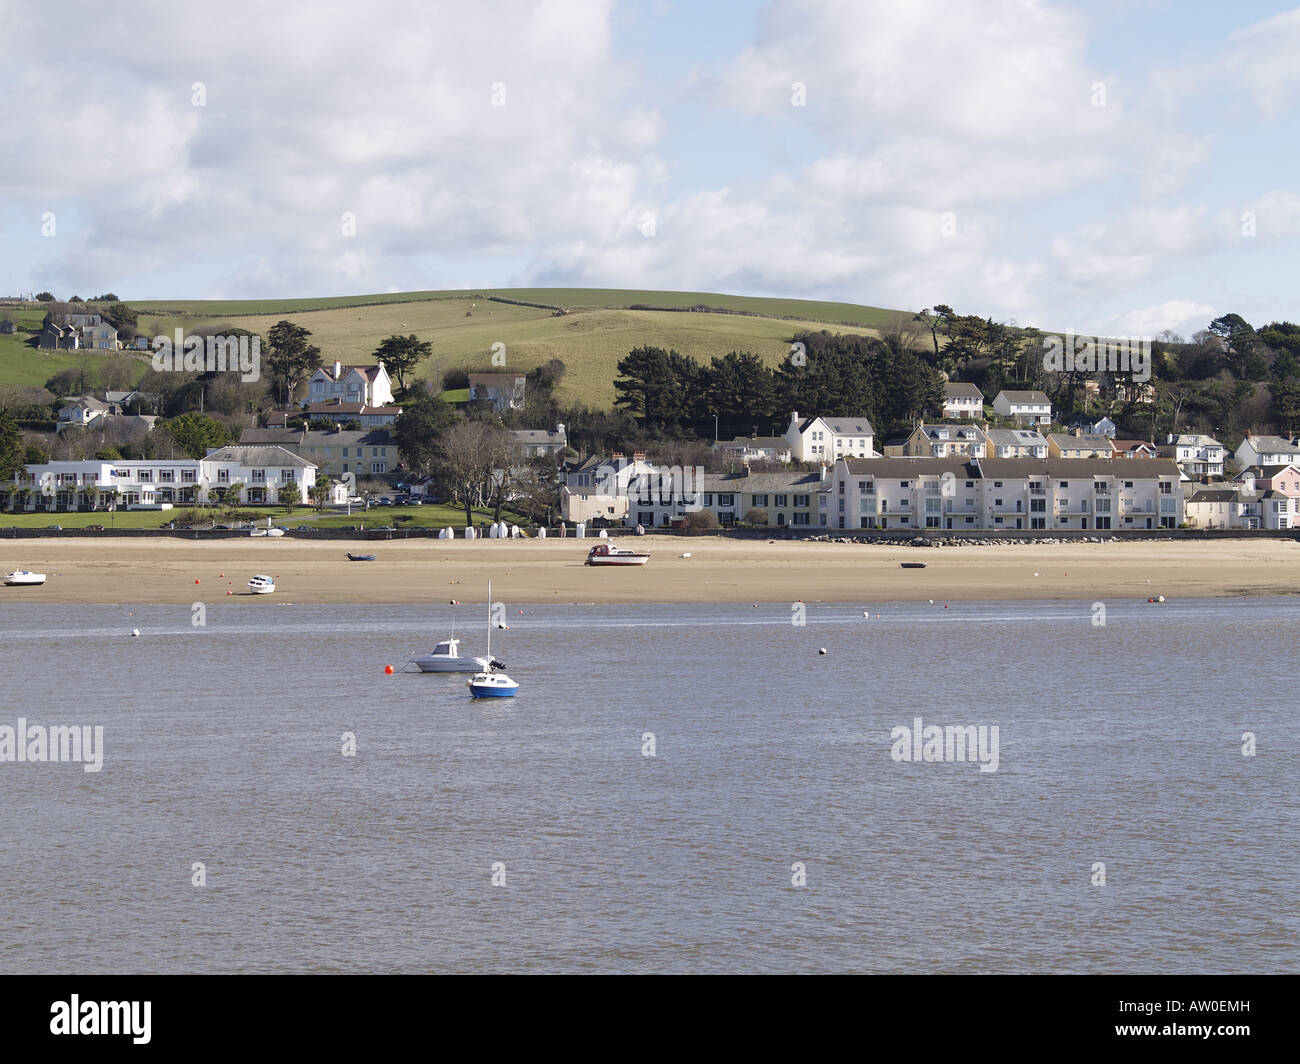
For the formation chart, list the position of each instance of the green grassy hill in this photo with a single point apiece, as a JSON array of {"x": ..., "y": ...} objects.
[{"x": 598, "y": 328}]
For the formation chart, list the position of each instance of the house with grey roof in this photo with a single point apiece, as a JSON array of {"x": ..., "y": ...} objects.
[
  {"x": 532, "y": 443},
  {"x": 1078, "y": 445},
  {"x": 945, "y": 441},
  {"x": 1197, "y": 455},
  {"x": 753, "y": 449},
  {"x": 962, "y": 401},
  {"x": 1027, "y": 407},
  {"x": 261, "y": 471},
  {"x": 1266, "y": 451},
  {"x": 824, "y": 439},
  {"x": 1015, "y": 443},
  {"x": 780, "y": 500}
]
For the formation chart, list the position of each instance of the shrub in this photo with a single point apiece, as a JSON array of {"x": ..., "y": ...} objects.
[
  {"x": 700, "y": 521},
  {"x": 756, "y": 516}
]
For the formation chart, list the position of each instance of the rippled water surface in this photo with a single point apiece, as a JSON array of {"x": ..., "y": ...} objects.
[{"x": 222, "y": 744}]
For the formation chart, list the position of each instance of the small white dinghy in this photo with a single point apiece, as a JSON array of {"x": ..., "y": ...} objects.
[
  {"x": 24, "y": 578},
  {"x": 261, "y": 585}
]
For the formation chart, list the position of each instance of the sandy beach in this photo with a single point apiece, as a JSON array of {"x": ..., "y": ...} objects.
[{"x": 121, "y": 570}]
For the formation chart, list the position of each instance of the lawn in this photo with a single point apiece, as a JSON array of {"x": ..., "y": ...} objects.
[
  {"x": 135, "y": 518},
  {"x": 429, "y": 516}
]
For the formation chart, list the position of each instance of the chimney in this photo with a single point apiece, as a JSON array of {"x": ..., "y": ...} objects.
[{"x": 338, "y": 370}]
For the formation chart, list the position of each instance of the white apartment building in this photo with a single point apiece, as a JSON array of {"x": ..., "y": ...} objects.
[
  {"x": 260, "y": 472},
  {"x": 1002, "y": 494}
]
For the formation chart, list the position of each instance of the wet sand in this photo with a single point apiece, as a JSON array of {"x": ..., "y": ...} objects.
[{"x": 139, "y": 570}]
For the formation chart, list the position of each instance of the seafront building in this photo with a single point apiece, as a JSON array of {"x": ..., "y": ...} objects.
[
  {"x": 258, "y": 472},
  {"x": 983, "y": 494}
]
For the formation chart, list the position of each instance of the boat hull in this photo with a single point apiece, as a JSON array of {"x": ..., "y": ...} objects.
[
  {"x": 621, "y": 559},
  {"x": 442, "y": 663},
  {"x": 492, "y": 692},
  {"x": 24, "y": 579}
]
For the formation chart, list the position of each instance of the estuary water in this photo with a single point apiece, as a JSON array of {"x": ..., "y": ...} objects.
[{"x": 772, "y": 830}]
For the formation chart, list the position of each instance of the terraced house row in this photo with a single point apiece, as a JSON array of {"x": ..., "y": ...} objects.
[{"x": 989, "y": 494}]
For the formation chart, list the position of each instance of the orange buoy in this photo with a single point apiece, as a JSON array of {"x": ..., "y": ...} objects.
[
  {"x": 196, "y": 579},
  {"x": 388, "y": 670}
]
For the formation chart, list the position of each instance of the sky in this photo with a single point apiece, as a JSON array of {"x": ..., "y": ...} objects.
[{"x": 1117, "y": 167}]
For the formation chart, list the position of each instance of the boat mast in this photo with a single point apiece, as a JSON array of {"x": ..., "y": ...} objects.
[{"x": 489, "y": 609}]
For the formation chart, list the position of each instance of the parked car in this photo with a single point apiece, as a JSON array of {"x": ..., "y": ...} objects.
[
  {"x": 94, "y": 528},
  {"x": 56, "y": 528}
]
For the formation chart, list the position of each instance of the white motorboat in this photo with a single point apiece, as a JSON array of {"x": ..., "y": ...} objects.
[
  {"x": 261, "y": 585},
  {"x": 608, "y": 554},
  {"x": 445, "y": 657},
  {"x": 24, "y": 578}
]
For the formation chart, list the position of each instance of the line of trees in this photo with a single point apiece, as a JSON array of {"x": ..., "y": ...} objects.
[{"x": 833, "y": 375}]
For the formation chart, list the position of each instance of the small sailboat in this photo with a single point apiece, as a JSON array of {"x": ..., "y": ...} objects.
[
  {"x": 490, "y": 683},
  {"x": 24, "y": 578},
  {"x": 261, "y": 585}
]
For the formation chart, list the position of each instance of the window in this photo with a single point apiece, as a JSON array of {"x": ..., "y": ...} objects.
[
  {"x": 727, "y": 500},
  {"x": 187, "y": 476},
  {"x": 800, "y": 519},
  {"x": 286, "y": 475},
  {"x": 145, "y": 476},
  {"x": 780, "y": 500},
  {"x": 1065, "y": 484},
  {"x": 167, "y": 476},
  {"x": 760, "y": 500},
  {"x": 378, "y": 467},
  {"x": 903, "y": 483},
  {"x": 223, "y": 476},
  {"x": 259, "y": 476},
  {"x": 1038, "y": 506},
  {"x": 800, "y": 500},
  {"x": 1128, "y": 483},
  {"x": 1166, "y": 488}
]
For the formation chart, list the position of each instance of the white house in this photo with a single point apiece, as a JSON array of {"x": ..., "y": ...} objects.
[
  {"x": 962, "y": 401},
  {"x": 1196, "y": 455},
  {"x": 1031, "y": 408},
  {"x": 366, "y": 385},
  {"x": 1266, "y": 451},
  {"x": 824, "y": 439},
  {"x": 263, "y": 471}
]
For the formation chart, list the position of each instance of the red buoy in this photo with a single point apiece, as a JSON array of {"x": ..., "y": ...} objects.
[{"x": 388, "y": 670}]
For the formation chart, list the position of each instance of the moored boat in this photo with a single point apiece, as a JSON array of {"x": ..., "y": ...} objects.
[
  {"x": 24, "y": 578},
  {"x": 445, "y": 657},
  {"x": 608, "y": 554},
  {"x": 360, "y": 557},
  {"x": 261, "y": 585},
  {"x": 491, "y": 685}
]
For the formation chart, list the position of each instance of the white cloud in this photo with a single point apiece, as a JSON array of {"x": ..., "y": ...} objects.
[
  {"x": 1262, "y": 58},
  {"x": 1183, "y": 316}
]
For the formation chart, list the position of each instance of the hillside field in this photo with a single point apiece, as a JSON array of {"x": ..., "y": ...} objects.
[{"x": 598, "y": 328}]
